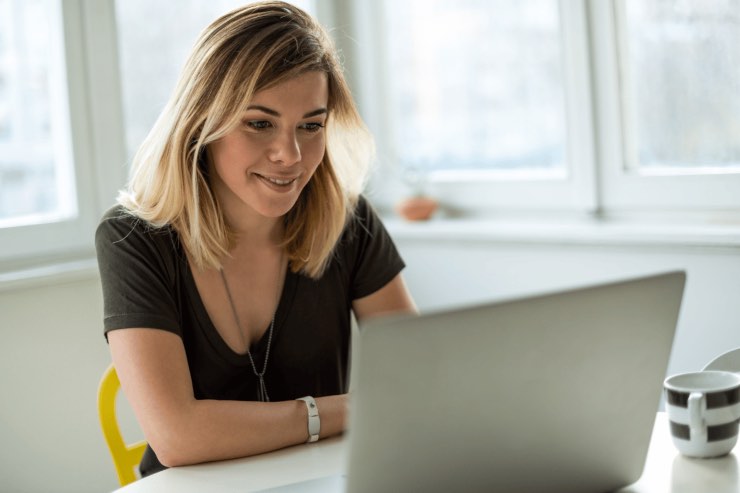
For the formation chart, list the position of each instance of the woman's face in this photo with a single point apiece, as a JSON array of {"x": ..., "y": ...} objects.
[{"x": 262, "y": 166}]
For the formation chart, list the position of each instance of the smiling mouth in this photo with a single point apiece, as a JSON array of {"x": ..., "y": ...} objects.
[{"x": 281, "y": 182}]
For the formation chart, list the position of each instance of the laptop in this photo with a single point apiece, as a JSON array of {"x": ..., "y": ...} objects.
[{"x": 555, "y": 392}]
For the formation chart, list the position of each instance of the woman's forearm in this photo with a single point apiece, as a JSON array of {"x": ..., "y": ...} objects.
[
  {"x": 154, "y": 374},
  {"x": 209, "y": 430}
]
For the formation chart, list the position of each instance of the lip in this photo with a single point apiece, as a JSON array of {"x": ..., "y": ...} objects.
[{"x": 278, "y": 183}]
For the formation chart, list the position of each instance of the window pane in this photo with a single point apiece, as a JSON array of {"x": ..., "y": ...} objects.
[
  {"x": 683, "y": 83},
  {"x": 36, "y": 176},
  {"x": 154, "y": 40},
  {"x": 475, "y": 85}
]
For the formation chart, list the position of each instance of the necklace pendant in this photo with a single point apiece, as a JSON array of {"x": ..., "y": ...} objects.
[{"x": 262, "y": 391}]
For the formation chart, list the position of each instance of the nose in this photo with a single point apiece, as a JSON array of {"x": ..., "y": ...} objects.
[{"x": 285, "y": 148}]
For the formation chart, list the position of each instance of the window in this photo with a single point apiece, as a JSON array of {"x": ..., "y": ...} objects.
[
  {"x": 476, "y": 85},
  {"x": 478, "y": 103},
  {"x": 36, "y": 172},
  {"x": 667, "y": 95},
  {"x": 48, "y": 180},
  {"x": 599, "y": 107},
  {"x": 681, "y": 91}
]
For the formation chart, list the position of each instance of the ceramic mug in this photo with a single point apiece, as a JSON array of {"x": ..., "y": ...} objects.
[{"x": 704, "y": 412}]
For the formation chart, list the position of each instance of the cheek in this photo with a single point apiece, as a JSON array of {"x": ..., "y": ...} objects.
[
  {"x": 220, "y": 163},
  {"x": 228, "y": 155},
  {"x": 226, "y": 166},
  {"x": 313, "y": 152}
]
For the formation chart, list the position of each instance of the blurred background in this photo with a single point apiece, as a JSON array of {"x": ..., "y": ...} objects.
[{"x": 565, "y": 143}]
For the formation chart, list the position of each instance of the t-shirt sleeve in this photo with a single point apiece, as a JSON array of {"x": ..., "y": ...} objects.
[
  {"x": 137, "y": 271},
  {"x": 376, "y": 259}
]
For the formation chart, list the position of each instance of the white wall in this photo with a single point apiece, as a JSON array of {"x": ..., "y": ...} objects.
[
  {"x": 51, "y": 359},
  {"x": 53, "y": 351}
]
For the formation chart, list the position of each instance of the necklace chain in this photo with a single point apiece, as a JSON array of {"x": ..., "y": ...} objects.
[{"x": 262, "y": 392}]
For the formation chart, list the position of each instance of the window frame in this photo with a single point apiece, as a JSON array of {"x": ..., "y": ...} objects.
[
  {"x": 598, "y": 183},
  {"x": 94, "y": 135},
  {"x": 624, "y": 189},
  {"x": 479, "y": 192}
]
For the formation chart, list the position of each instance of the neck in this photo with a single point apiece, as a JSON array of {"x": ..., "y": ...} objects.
[
  {"x": 264, "y": 234},
  {"x": 260, "y": 242},
  {"x": 252, "y": 228}
]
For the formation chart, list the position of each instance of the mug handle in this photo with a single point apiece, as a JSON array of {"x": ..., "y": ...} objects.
[{"x": 696, "y": 421}]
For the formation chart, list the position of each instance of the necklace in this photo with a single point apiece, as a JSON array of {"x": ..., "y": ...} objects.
[{"x": 262, "y": 391}]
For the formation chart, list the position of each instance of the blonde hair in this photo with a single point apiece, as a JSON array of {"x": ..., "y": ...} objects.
[{"x": 242, "y": 52}]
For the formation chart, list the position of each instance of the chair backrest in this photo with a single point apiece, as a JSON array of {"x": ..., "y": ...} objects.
[{"x": 126, "y": 458}]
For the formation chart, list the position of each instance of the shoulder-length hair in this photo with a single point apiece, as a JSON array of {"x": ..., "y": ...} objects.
[{"x": 242, "y": 52}]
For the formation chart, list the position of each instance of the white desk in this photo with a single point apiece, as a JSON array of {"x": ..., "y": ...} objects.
[{"x": 665, "y": 470}]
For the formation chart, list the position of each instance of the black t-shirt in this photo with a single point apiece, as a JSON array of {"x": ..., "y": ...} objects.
[{"x": 147, "y": 282}]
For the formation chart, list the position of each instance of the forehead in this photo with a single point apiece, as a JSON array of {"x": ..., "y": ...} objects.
[{"x": 308, "y": 91}]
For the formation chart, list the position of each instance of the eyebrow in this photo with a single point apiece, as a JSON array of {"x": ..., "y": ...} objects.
[{"x": 264, "y": 109}]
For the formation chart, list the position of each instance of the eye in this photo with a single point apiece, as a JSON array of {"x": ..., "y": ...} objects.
[
  {"x": 312, "y": 127},
  {"x": 257, "y": 124}
]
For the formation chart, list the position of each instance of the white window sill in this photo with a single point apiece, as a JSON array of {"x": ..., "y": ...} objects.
[
  {"x": 593, "y": 232},
  {"x": 585, "y": 232},
  {"x": 49, "y": 274}
]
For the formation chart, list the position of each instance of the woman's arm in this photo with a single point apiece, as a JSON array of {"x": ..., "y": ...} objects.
[
  {"x": 154, "y": 374},
  {"x": 394, "y": 297}
]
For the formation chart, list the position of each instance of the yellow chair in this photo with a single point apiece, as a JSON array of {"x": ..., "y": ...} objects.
[{"x": 126, "y": 458}]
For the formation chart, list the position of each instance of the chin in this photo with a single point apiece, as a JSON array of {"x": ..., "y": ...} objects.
[{"x": 276, "y": 209}]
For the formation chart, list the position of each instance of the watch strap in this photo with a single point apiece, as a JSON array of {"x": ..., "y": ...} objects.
[{"x": 314, "y": 422}]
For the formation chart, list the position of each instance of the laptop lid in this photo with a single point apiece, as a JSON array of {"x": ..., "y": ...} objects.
[{"x": 556, "y": 392}]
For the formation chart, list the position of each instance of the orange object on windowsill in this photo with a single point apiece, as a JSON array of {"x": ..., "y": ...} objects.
[{"x": 416, "y": 208}]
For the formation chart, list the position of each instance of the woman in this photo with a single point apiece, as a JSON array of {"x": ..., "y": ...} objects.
[{"x": 241, "y": 246}]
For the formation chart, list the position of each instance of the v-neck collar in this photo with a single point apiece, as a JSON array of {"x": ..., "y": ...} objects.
[{"x": 205, "y": 323}]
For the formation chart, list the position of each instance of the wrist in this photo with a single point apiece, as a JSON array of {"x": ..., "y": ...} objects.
[{"x": 313, "y": 422}]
